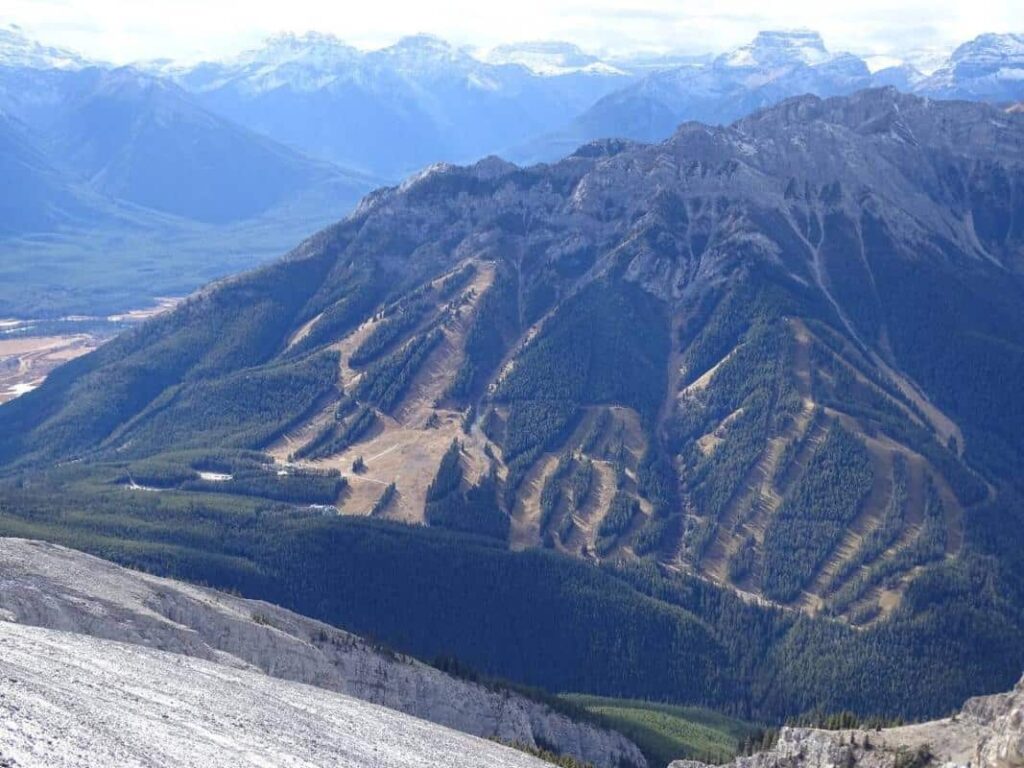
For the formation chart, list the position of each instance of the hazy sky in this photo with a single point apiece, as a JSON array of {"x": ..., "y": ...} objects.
[{"x": 125, "y": 30}]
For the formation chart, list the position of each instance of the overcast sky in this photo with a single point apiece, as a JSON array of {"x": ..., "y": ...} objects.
[{"x": 127, "y": 30}]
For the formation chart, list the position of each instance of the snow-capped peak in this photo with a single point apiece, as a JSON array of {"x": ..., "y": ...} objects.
[
  {"x": 877, "y": 62},
  {"x": 779, "y": 48},
  {"x": 989, "y": 66},
  {"x": 17, "y": 50},
  {"x": 927, "y": 59},
  {"x": 991, "y": 49},
  {"x": 423, "y": 54},
  {"x": 315, "y": 49},
  {"x": 546, "y": 57},
  {"x": 422, "y": 43},
  {"x": 304, "y": 62}
]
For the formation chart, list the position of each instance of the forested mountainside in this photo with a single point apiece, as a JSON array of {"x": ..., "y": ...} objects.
[{"x": 778, "y": 357}]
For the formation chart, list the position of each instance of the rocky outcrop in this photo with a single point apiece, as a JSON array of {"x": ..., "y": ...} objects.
[
  {"x": 796, "y": 748},
  {"x": 1004, "y": 748},
  {"x": 987, "y": 733},
  {"x": 50, "y": 586}
]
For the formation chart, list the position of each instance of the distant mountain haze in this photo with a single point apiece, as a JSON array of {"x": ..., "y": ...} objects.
[
  {"x": 774, "y": 66},
  {"x": 426, "y": 100},
  {"x": 230, "y": 161},
  {"x": 394, "y": 110},
  {"x": 174, "y": 139}
]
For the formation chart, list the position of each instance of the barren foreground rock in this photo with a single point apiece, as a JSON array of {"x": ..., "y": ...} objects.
[
  {"x": 50, "y": 586},
  {"x": 72, "y": 700}
]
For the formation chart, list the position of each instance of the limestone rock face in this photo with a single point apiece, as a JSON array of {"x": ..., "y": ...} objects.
[
  {"x": 987, "y": 733},
  {"x": 796, "y": 748},
  {"x": 76, "y": 701},
  {"x": 45, "y": 585},
  {"x": 1005, "y": 747}
]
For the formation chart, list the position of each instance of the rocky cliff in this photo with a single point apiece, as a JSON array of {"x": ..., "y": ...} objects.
[
  {"x": 987, "y": 733},
  {"x": 49, "y": 586}
]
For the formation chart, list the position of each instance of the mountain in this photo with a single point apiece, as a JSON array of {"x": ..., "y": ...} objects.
[
  {"x": 116, "y": 169},
  {"x": 129, "y": 136},
  {"x": 17, "y": 50},
  {"x": 903, "y": 77},
  {"x": 391, "y": 111},
  {"x": 132, "y": 137},
  {"x": 63, "y": 590},
  {"x": 779, "y": 50},
  {"x": 38, "y": 196},
  {"x": 989, "y": 68},
  {"x": 771, "y": 362},
  {"x": 987, "y": 732},
  {"x": 143, "y": 140}
]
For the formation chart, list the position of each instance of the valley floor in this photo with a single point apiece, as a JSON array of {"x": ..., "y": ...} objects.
[{"x": 29, "y": 352}]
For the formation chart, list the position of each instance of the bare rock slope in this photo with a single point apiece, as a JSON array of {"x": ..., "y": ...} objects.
[
  {"x": 57, "y": 588},
  {"x": 72, "y": 700},
  {"x": 987, "y": 733}
]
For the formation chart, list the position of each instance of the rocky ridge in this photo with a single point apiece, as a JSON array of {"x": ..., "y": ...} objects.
[{"x": 60, "y": 589}]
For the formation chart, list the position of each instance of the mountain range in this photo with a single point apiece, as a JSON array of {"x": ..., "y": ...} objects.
[
  {"x": 538, "y": 101},
  {"x": 774, "y": 66},
  {"x": 134, "y": 138},
  {"x": 601, "y": 407},
  {"x": 391, "y": 111},
  {"x": 113, "y": 166},
  {"x": 226, "y": 162},
  {"x": 761, "y": 375}
]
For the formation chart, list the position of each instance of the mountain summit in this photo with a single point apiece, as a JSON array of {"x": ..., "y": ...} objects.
[
  {"x": 18, "y": 50},
  {"x": 989, "y": 67},
  {"x": 550, "y": 58},
  {"x": 776, "y": 49}
]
